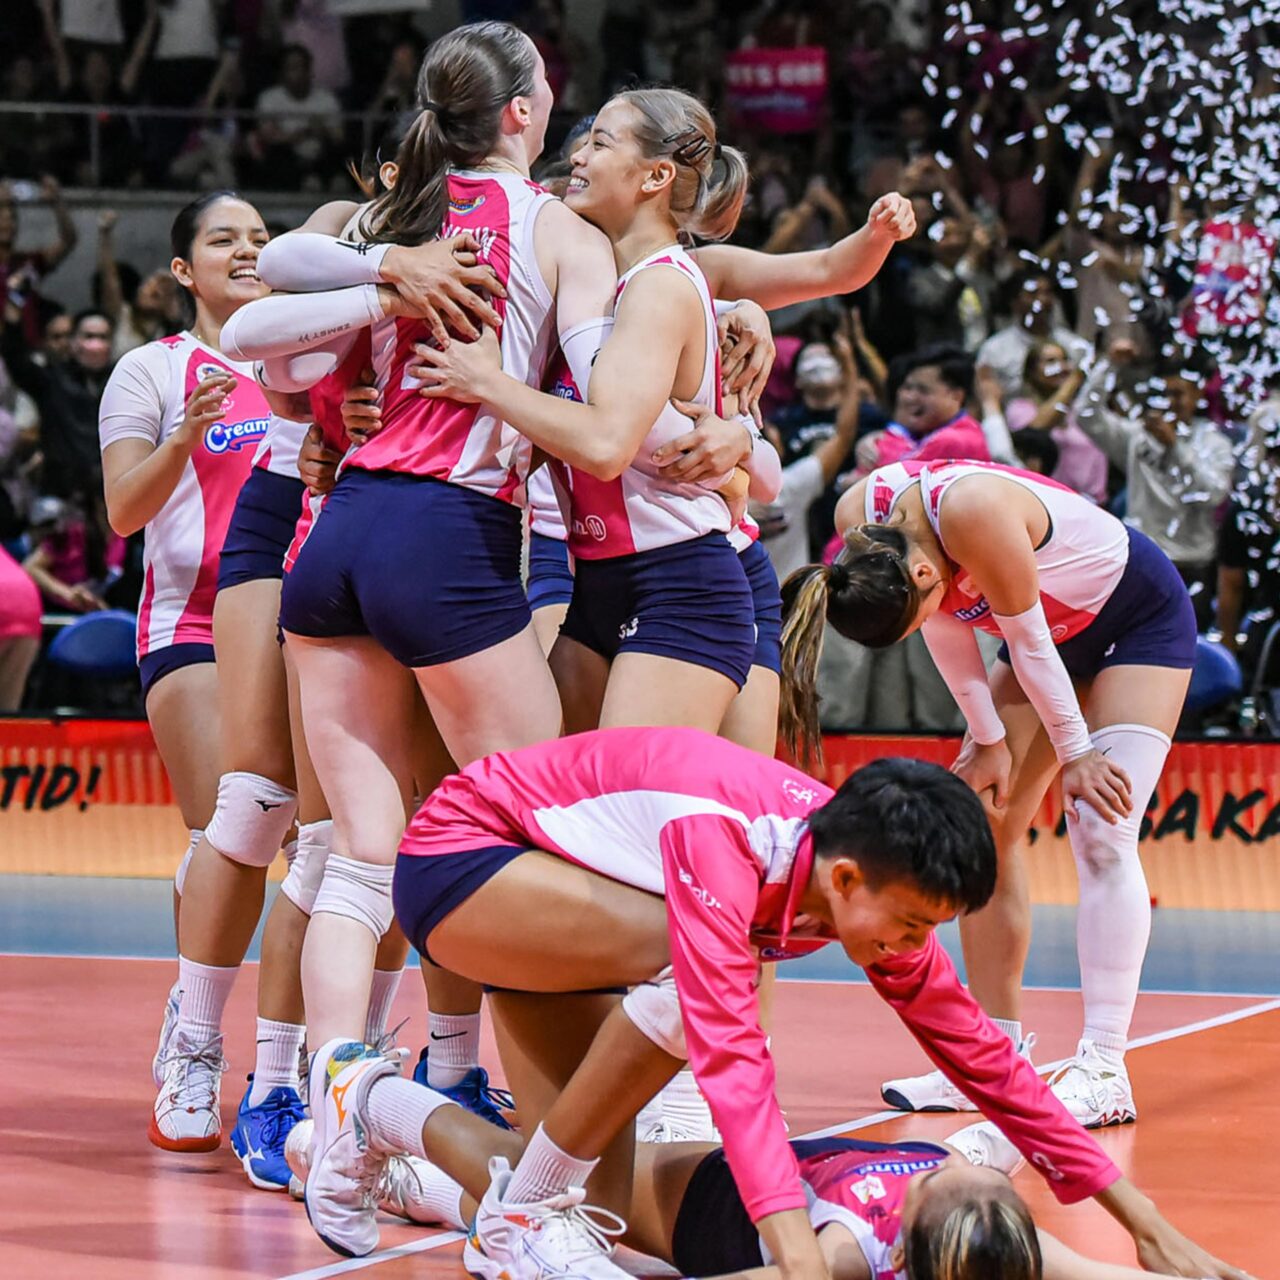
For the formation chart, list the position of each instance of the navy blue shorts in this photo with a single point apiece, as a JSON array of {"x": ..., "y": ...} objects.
[
  {"x": 690, "y": 601},
  {"x": 426, "y": 889},
  {"x": 173, "y": 657},
  {"x": 261, "y": 529},
  {"x": 550, "y": 577},
  {"x": 768, "y": 602},
  {"x": 430, "y": 570},
  {"x": 1149, "y": 621}
]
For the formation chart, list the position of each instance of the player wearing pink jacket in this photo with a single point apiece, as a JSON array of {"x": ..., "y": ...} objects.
[{"x": 594, "y": 861}]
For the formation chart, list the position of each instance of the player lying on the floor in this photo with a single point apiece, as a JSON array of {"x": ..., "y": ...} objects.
[
  {"x": 880, "y": 1210},
  {"x": 599, "y": 860}
]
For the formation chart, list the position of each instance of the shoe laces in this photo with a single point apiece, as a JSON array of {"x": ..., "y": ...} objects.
[
  {"x": 1076, "y": 1079},
  {"x": 483, "y": 1096},
  {"x": 576, "y": 1230},
  {"x": 202, "y": 1067},
  {"x": 392, "y": 1188},
  {"x": 282, "y": 1112},
  {"x": 386, "y": 1045}
]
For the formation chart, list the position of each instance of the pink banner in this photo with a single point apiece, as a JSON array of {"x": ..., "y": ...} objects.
[{"x": 778, "y": 90}]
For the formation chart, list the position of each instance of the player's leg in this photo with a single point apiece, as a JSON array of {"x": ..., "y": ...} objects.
[
  {"x": 581, "y": 675},
  {"x": 1132, "y": 713}
]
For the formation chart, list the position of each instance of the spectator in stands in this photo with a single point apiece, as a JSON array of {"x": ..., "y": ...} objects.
[
  {"x": 1177, "y": 463},
  {"x": 1006, "y": 152},
  {"x": 1249, "y": 542},
  {"x": 812, "y": 454},
  {"x": 19, "y": 630},
  {"x": 944, "y": 291},
  {"x": 23, "y": 271},
  {"x": 1036, "y": 311},
  {"x": 140, "y": 310},
  {"x": 66, "y": 563},
  {"x": 66, "y": 393},
  {"x": 299, "y": 126},
  {"x": 314, "y": 26},
  {"x": 930, "y": 390},
  {"x": 56, "y": 340}
]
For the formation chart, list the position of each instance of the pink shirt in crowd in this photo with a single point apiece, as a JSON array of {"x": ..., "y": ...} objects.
[
  {"x": 960, "y": 438},
  {"x": 721, "y": 833}
]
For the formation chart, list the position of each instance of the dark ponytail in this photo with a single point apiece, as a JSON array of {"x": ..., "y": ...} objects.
[
  {"x": 866, "y": 594},
  {"x": 467, "y": 79}
]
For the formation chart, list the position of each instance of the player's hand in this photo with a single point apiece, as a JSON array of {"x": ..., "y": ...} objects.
[
  {"x": 1164, "y": 1249},
  {"x": 747, "y": 352},
  {"x": 1104, "y": 786},
  {"x": 438, "y": 282},
  {"x": 317, "y": 463},
  {"x": 205, "y": 405},
  {"x": 461, "y": 371},
  {"x": 84, "y": 600},
  {"x": 362, "y": 409},
  {"x": 985, "y": 769},
  {"x": 709, "y": 452},
  {"x": 894, "y": 216}
]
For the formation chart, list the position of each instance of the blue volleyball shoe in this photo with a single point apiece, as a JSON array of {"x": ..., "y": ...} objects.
[
  {"x": 261, "y": 1133},
  {"x": 473, "y": 1093}
]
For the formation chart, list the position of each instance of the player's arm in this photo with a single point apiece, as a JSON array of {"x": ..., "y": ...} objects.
[
  {"x": 779, "y": 279},
  {"x": 628, "y": 388},
  {"x": 1061, "y": 1263}
]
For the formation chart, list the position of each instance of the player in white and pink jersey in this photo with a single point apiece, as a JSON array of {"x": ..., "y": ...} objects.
[
  {"x": 595, "y": 861},
  {"x": 179, "y": 424},
  {"x": 1099, "y": 644}
]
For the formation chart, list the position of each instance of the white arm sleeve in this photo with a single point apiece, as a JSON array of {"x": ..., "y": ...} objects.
[
  {"x": 1038, "y": 666},
  {"x": 721, "y": 307},
  {"x": 763, "y": 466},
  {"x": 954, "y": 650},
  {"x": 580, "y": 347},
  {"x": 288, "y": 323},
  {"x": 302, "y": 370},
  {"x": 995, "y": 430},
  {"x": 133, "y": 401},
  {"x": 302, "y": 261}
]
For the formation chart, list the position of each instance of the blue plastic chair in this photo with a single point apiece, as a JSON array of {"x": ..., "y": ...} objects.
[
  {"x": 1216, "y": 677},
  {"x": 100, "y": 645}
]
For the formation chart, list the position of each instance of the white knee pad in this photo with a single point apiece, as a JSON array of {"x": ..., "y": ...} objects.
[
  {"x": 1141, "y": 752},
  {"x": 306, "y": 871},
  {"x": 654, "y": 1007},
  {"x": 360, "y": 891},
  {"x": 251, "y": 819},
  {"x": 180, "y": 876}
]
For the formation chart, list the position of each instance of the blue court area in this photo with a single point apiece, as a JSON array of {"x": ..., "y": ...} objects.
[{"x": 1231, "y": 952}]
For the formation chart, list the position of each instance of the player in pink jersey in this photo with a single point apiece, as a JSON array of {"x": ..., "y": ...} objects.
[
  {"x": 598, "y": 860},
  {"x": 1099, "y": 644},
  {"x": 179, "y": 424}
]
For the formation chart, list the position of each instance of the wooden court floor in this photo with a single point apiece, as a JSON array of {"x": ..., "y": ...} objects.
[{"x": 86, "y": 1197}]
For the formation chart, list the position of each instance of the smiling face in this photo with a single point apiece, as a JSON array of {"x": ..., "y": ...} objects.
[
  {"x": 925, "y": 402},
  {"x": 222, "y": 272},
  {"x": 609, "y": 174}
]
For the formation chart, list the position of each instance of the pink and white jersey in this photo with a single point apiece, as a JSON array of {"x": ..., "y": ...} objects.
[
  {"x": 145, "y": 399},
  {"x": 546, "y": 510},
  {"x": 744, "y": 533},
  {"x": 721, "y": 832},
  {"x": 1080, "y": 561},
  {"x": 464, "y": 443},
  {"x": 641, "y": 510},
  {"x": 278, "y": 452},
  {"x": 863, "y": 1190}
]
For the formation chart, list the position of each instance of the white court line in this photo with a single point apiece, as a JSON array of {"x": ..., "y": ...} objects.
[
  {"x": 383, "y": 1255},
  {"x": 1158, "y": 1037},
  {"x": 831, "y": 1131}
]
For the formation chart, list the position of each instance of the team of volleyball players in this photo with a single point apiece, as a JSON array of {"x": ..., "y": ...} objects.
[{"x": 470, "y": 346}]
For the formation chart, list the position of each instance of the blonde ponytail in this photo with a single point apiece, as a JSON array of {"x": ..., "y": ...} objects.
[{"x": 804, "y": 619}]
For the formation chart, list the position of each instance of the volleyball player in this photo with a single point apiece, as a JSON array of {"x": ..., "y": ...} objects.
[
  {"x": 598, "y": 859},
  {"x": 1099, "y": 641},
  {"x": 179, "y": 424}
]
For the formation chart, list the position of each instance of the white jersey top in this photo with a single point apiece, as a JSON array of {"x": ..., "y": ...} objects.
[
  {"x": 1080, "y": 561},
  {"x": 641, "y": 510},
  {"x": 464, "y": 443},
  {"x": 278, "y": 452},
  {"x": 145, "y": 399},
  {"x": 545, "y": 516}
]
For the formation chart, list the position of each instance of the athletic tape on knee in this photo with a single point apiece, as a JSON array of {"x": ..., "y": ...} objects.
[
  {"x": 180, "y": 876},
  {"x": 360, "y": 891},
  {"x": 306, "y": 871},
  {"x": 251, "y": 819},
  {"x": 654, "y": 1007}
]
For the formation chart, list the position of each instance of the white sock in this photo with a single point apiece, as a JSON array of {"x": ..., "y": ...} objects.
[
  {"x": 1110, "y": 1047},
  {"x": 276, "y": 1062},
  {"x": 386, "y": 982},
  {"x": 397, "y": 1110},
  {"x": 1113, "y": 923},
  {"x": 545, "y": 1171},
  {"x": 683, "y": 1106},
  {"x": 454, "y": 1044},
  {"x": 441, "y": 1194},
  {"x": 1012, "y": 1029},
  {"x": 204, "y": 996}
]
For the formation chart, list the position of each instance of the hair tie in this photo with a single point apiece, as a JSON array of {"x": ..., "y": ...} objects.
[
  {"x": 717, "y": 152},
  {"x": 440, "y": 111}
]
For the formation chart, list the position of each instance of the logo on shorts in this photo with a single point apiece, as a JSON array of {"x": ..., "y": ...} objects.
[
  {"x": 628, "y": 628},
  {"x": 1060, "y": 632},
  {"x": 1109, "y": 650},
  {"x": 231, "y": 437},
  {"x": 797, "y": 792}
]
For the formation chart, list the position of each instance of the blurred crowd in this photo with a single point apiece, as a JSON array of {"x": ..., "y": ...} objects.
[{"x": 1075, "y": 301}]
